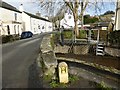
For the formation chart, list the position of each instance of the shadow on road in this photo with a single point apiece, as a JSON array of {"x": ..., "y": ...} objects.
[{"x": 34, "y": 79}]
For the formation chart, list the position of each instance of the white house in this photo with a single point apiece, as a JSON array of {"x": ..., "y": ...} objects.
[
  {"x": 14, "y": 21},
  {"x": 11, "y": 20},
  {"x": 34, "y": 23},
  {"x": 68, "y": 20}
]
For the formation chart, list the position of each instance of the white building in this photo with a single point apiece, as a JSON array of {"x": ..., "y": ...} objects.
[
  {"x": 11, "y": 20},
  {"x": 14, "y": 21},
  {"x": 68, "y": 20},
  {"x": 35, "y": 24}
]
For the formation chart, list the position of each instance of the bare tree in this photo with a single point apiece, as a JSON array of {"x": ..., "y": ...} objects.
[
  {"x": 74, "y": 6},
  {"x": 53, "y": 6}
]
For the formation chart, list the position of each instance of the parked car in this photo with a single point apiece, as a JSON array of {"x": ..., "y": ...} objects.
[{"x": 26, "y": 34}]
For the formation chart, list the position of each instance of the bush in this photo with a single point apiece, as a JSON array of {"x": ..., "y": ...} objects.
[
  {"x": 9, "y": 38},
  {"x": 83, "y": 34},
  {"x": 114, "y": 38},
  {"x": 68, "y": 34}
]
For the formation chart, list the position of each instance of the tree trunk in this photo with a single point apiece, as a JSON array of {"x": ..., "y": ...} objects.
[
  {"x": 75, "y": 14},
  {"x": 76, "y": 29}
]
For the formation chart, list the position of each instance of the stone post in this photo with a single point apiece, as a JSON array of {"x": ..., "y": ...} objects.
[{"x": 63, "y": 72}]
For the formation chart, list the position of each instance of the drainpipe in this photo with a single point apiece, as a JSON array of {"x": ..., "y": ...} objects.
[{"x": 31, "y": 24}]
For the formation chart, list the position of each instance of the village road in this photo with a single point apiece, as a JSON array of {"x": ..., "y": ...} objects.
[{"x": 16, "y": 60}]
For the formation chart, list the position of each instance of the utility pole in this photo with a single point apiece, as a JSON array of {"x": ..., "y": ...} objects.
[
  {"x": 117, "y": 18},
  {"x": 82, "y": 17}
]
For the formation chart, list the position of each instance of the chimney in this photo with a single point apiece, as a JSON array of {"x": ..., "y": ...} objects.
[
  {"x": 38, "y": 14},
  {"x": 21, "y": 7}
]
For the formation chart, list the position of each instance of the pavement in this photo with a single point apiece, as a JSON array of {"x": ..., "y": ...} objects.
[{"x": 17, "y": 58}]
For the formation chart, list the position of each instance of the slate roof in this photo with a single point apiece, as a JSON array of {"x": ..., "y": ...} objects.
[
  {"x": 37, "y": 17},
  {"x": 103, "y": 24},
  {"x": 8, "y": 6}
]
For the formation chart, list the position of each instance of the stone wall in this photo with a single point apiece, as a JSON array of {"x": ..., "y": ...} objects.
[
  {"x": 46, "y": 58},
  {"x": 61, "y": 49},
  {"x": 81, "y": 49},
  {"x": 112, "y": 51}
]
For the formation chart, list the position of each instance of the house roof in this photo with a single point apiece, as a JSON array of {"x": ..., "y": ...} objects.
[
  {"x": 37, "y": 17},
  {"x": 103, "y": 24},
  {"x": 8, "y": 6},
  {"x": 107, "y": 18}
]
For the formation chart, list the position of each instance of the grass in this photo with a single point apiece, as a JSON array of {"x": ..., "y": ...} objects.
[
  {"x": 102, "y": 86},
  {"x": 55, "y": 83},
  {"x": 47, "y": 77},
  {"x": 68, "y": 34},
  {"x": 73, "y": 78}
]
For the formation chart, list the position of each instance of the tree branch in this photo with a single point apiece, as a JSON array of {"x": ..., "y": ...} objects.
[
  {"x": 69, "y": 4},
  {"x": 84, "y": 8}
]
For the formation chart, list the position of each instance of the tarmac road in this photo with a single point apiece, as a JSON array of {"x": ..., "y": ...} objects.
[{"x": 16, "y": 60}]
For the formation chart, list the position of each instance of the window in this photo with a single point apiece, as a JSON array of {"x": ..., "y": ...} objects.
[
  {"x": 18, "y": 29},
  {"x": 43, "y": 27},
  {"x": 15, "y": 16},
  {"x": 69, "y": 17},
  {"x": 34, "y": 30},
  {"x": 50, "y": 27},
  {"x": 8, "y": 29},
  {"x": 38, "y": 26},
  {"x": 15, "y": 29}
]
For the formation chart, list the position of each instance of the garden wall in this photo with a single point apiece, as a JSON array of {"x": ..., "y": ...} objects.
[
  {"x": 81, "y": 49},
  {"x": 112, "y": 51}
]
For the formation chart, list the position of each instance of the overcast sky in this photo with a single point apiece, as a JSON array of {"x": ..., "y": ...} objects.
[{"x": 33, "y": 7}]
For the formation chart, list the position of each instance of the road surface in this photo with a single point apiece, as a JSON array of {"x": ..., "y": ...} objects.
[{"x": 16, "y": 60}]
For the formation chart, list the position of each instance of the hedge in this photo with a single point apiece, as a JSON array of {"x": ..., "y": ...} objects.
[
  {"x": 9, "y": 38},
  {"x": 114, "y": 38}
]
